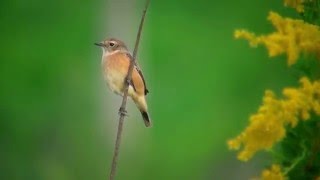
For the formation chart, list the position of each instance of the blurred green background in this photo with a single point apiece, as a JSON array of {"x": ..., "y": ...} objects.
[{"x": 58, "y": 119}]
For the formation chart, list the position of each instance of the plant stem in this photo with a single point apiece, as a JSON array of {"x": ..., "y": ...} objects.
[{"x": 122, "y": 109}]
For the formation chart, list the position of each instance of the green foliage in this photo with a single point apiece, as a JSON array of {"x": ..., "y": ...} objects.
[
  {"x": 311, "y": 12},
  {"x": 307, "y": 66},
  {"x": 299, "y": 152}
]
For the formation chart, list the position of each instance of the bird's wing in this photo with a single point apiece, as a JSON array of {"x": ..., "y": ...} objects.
[{"x": 146, "y": 91}]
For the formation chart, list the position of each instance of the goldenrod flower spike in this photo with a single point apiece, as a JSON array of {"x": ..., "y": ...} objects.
[
  {"x": 292, "y": 37},
  {"x": 274, "y": 173},
  {"x": 297, "y": 4},
  {"x": 267, "y": 126}
]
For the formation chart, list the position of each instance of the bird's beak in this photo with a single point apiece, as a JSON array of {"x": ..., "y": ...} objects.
[{"x": 99, "y": 44}]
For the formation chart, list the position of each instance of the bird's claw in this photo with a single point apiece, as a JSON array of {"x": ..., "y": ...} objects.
[{"x": 126, "y": 80}]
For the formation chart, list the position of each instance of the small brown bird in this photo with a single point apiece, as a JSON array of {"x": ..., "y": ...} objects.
[{"x": 115, "y": 64}]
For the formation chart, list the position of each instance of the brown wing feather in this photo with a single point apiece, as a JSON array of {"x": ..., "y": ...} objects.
[{"x": 146, "y": 91}]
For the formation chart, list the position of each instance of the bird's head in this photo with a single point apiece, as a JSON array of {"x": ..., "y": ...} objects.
[{"x": 111, "y": 45}]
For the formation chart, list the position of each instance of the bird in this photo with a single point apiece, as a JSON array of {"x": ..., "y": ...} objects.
[{"x": 115, "y": 63}]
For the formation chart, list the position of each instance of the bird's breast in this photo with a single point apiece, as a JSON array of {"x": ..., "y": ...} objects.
[{"x": 114, "y": 71}]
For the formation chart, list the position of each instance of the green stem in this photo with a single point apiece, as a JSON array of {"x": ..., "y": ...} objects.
[{"x": 298, "y": 159}]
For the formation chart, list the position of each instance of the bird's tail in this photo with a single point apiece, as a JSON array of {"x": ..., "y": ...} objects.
[
  {"x": 146, "y": 118},
  {"x": 142, "y": 105}
]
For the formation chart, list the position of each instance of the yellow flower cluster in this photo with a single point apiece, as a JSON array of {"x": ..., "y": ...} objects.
[
  {"x": 297, "y": 4},
  {"x": 273, "y": 174},
  {"x": 292, "y": 37},
  {"x": 268, "y": 125}
]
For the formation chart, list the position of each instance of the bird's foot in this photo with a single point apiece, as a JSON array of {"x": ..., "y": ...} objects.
[
  {"x": 127, "y": 81},
  {"x": 122, "y": 112}
]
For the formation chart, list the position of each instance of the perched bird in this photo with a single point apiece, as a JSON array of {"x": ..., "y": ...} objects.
[{"x": 115, "y": 64}]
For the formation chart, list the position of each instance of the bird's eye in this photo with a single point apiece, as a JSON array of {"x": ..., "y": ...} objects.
[{"x": 111, "y": 44}]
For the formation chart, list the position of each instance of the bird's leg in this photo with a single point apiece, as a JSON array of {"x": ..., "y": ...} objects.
[{"x": 122, "y": 111}]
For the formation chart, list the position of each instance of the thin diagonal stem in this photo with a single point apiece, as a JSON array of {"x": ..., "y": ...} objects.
[{"x": 125, "y": 96}]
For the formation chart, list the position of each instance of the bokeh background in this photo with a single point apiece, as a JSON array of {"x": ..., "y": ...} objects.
[{"x": 58, "y": 119}]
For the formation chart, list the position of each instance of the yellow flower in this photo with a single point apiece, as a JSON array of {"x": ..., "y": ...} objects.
[
  {"x": 273, "y": 174},
  {"x": 292, "y": 37},
  {"x": 267, "y": 126},
  {"x": 297, "y": 4}
]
